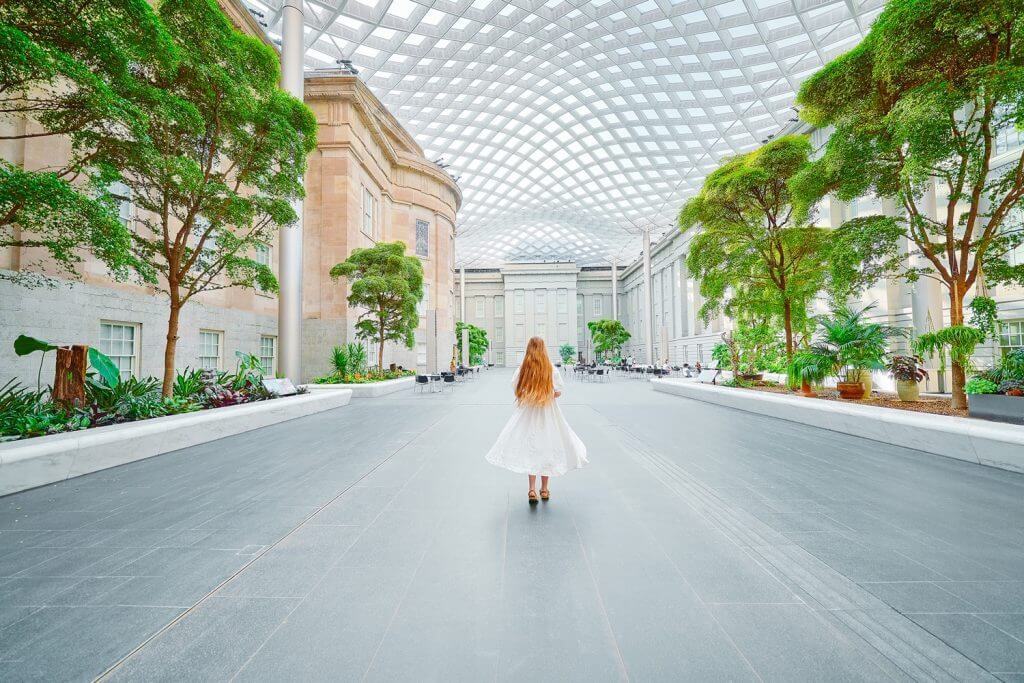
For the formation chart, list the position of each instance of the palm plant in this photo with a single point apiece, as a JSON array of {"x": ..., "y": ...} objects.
[
  {"x": 807, "y": 369},
  {"x": 852, "y": 343},
  {"x": 340, "y": 360},
  {"x": 356, "y": 356}
]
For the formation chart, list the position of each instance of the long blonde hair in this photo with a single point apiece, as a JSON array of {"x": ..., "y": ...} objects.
[{"x": 536, "y": 386}]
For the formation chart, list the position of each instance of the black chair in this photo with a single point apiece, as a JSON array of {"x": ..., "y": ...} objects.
[
  {"x": 448, "y": 378},
  {"x": 422, "y": 382}
]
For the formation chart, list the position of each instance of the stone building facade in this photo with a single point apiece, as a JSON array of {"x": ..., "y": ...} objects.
[{"x": 367, "y": 181}]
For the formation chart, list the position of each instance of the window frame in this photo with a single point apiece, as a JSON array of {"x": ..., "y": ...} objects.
[
  {"x": 135, "y": 356},
  {"x": 220, "y": 349},
  {"x": 597, "y": 306},
  {"x": 370, "y": 213},
  {"x": 425, "y": 225},
  {"x": 272, "y": 370}
]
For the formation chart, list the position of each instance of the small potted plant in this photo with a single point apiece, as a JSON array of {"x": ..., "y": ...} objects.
[
  {"x": 908, "y": 373},
  {"x": 807, "y": 369}
]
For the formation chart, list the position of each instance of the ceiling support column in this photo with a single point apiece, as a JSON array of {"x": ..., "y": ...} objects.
[
  {"x": 462, "y": 307},
  {"x": 648, "y": 317},
  {"x": 615, "y": 290},
  {"x": 289, "y": 301}
]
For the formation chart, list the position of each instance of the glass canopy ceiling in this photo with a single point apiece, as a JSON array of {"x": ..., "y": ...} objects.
[{"x": 572, "y": 125}]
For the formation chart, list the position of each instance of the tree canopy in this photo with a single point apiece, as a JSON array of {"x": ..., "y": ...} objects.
[
  {"x": 754, "y": 251},
  {"x": 387, "y": 285},
  {"x": 74, "y": 68},
  {"x": 924, "y": 97},
  {"x": 608, "y": 336},
  {"x": 478, "y": 343}
]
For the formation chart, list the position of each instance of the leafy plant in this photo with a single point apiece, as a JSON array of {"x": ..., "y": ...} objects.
[
  {"x": 1011, "y": 387},
  {"x": 722, "y": 355},
  {"x": 608, "y": 336},
  {"x": 128, "y": 400},
  {"x": 188, "y": 385},
  {"x": 907, "y": 368},
  {"x": 852, "y": 343},
  {"x": 958, "y": 340},
  {"x": 979, "y": 385},
  {"x": 808, "y": 367},
  {"x": 386, "y": 284},
  {"x": 339, "y": 360},
  {"x": 478, "y": 342},
  {"x": 985, "y": 316},
  {"x": 567, "y": 352},
  {"x": 356, "y": 356},
  {"x": 25, "y": 345}
]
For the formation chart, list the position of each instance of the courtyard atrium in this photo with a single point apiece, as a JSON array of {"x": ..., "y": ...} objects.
[{"x": 471, "y": 340}]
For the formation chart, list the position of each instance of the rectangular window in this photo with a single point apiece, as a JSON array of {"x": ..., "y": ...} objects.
[
  {"x": 499, "y": 306},
  {"x": 598, "y": 306},
  {"x": 122, "y": 195},
  {"x": 1011, "y": 335},
  {"x": 499, "y": 357},
  {"x": 369, "y": 214},
  {"x": 268, "y": 355},
  {"x": 520, "y": 332},
  {"x": 480, "y": 304},
  {"x": 579, "y": 304},
  {"x": 540, "y": 300},
  {"x": 120, "y": 341},
  {"x": 563, "y": 333},
  {"x": 499, "y": 333},
  {"x": 263, "y": 255},
  {"x": 562, "y": 301},
  {"x": 422, "y": 239},
  {"x": 210, "y": 347},
  {"x": 520, "y": 302},
  {"x": 541, "y": 329}
]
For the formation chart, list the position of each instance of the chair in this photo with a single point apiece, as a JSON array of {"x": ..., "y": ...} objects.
[
  {"x": 422, "y": 382},
  {"x": 448, "y": 378},
  {"x": 601, "y": 374}
]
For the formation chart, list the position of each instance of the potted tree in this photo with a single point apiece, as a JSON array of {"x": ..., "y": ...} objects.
[
  {"x": 858, "y": 347},
  {"x": 808, "y": 368},
  {"x": 908, "y": 373}
]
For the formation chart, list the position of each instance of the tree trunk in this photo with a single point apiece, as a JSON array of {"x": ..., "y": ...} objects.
[
  {"x": 787, "y": 322},
  {"x": 69, "y": 380},
  {"x": 959, "y": 372},
  {"x": 171, "y": 347}
]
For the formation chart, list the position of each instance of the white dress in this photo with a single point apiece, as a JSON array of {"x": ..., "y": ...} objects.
[{"x": 538, "y": 440}]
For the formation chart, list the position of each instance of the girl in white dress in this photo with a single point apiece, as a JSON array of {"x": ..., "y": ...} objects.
[{"x": 537, "y": 440}]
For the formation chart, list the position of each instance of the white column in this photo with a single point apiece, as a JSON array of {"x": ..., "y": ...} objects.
[
  {"x": 289, "y": 302},
  {"x": 648, "y": 312},
  {"x": 462, "y": 305},
  {"x": 615, "y": 290},
  {"x": 926, "y": 301}
]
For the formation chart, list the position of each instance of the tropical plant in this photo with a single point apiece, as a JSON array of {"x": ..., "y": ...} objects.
[
  {"x": 188, "y": 384},
  {"x": 751, "y": 244},
  {"x": 74, "y": 68},
  {"x": 980, "y": 385},
  {"x": 985, "y": 316},
  {"x": 808, "y": 368},
  {"x": 959, "y": 341},
  {"x": 907, "y": 368},
  {"x": 25, "y": 345},
  {"x": 217, "y": 165},
  {"x": 1012, "y": 387},
  {"x": 340, "y": 360},
  {"x": 478, "y": 343},
  {"x": 852, "y": 343},
  {"x": 128, "y": 400},
  {"x": 567, "y": 352},
  {"x": 386, "y": 284},
  {"x": 916, "y": 109},
  {"x": 608, "y": 336},
  {"x": 722, "y": 354},
  {"x": 356, "y": 356}
]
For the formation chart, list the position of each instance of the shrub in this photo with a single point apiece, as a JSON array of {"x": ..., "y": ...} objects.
[
  {"x": 980, "y": 385},
  {"x": 907, "y": 369},
  {"x": 1012, "y": 387}
]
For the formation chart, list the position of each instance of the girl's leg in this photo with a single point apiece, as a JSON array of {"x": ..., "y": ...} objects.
[
  {"x": 544, "y": 483},
  {"x": 533, "y": 482}
]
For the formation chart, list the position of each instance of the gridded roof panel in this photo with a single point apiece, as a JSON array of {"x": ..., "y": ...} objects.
[{"x": 572, "y": 124}]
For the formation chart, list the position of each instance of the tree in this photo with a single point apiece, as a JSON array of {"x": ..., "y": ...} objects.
[
  {"x": 74, "y": 68},
  {"x": 478, "y": 343},
  {"x": 222, "y": 159},
  {"x": 567, "y": 352},
  {"x": 924, "y": 97},
  {"x": 751, "y": 245},
  {"x": 387, "y": 284},
  {"x": 608, "y": 336}
]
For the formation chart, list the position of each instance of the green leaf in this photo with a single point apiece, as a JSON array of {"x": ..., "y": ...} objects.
[
  {"x": 25, "y": 345},
  {"x": 102, "y": 364}
]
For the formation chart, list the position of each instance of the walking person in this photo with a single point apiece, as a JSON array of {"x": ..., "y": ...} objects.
[{"x": 537, "y": 441}]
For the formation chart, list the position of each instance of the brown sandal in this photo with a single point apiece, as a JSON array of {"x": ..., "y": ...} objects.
[
  {"x": 532, "y": 495},
  {"x": 545, "y": 494}
]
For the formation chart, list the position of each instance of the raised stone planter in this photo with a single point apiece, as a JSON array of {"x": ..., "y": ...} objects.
[
  {"x": 987, "y": 443},
  {"x": 46, "y": 459},
  {"x": 370, "y": 389},
  {"x": 997, "y": 407}
]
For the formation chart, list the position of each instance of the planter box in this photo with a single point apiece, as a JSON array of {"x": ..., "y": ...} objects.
[
  {"x": 43, "y": 460},
  {"x": 996, "y": 407},
  {"x": 979, "y": 441},
  {"x": 370, "y": 389}
]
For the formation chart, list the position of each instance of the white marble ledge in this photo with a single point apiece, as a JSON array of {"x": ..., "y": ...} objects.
[
  {"x": 994, "y": 444},
  {"x": 370, "y": 389},
  {"x": 46, "y": 459}
]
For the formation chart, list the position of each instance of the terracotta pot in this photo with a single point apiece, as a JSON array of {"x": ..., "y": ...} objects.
[
  {"x": 852, "y": 391},
  {"x": 865, "y": 379},
  {"x": 807, "y": 390},
  {"x": 908, "y": 390}
]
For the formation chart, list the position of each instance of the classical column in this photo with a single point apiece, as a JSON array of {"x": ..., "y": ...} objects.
[
  {"x": 462, "y": 307},
  {"x": 927, "y": 300},
  {"x": 289, "y": 301},
  {"x": 648, "y": 313},
  {"x": 615, "y": 290}
]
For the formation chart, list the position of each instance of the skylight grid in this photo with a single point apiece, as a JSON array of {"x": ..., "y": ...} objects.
[{"x": 572, "y": 124}]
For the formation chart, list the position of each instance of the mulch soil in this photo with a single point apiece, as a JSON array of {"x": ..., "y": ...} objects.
[{"x": 936, "y": 406}]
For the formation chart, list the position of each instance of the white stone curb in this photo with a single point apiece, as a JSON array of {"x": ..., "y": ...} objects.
[
  {"x": 369, "y": 390},
  {"x": 46, "y": 459},
  {"x": 988, "y": 443}
]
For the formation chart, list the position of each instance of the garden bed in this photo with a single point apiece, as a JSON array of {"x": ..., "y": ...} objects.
[
  {"x": 368, "y": 389},
  {"x": 881, "y": 399},
  {"x": 28, "y": 463}
]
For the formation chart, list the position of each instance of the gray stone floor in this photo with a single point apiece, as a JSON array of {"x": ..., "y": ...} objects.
[{"x": 374, "y": 543}]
